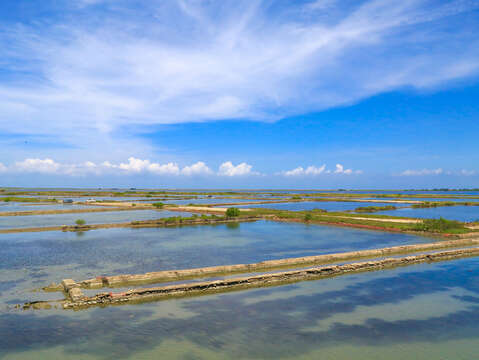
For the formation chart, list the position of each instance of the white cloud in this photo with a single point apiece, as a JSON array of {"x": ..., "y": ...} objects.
[
  {"x": 313, "y": 170},
  {"x": 422, "y": 172},
  {"x": 193, "y": 64},
  {"x": 133, "y": 166},
  {"x": 228, "y": 169},
  {"x": 468, "y": 172},
  {"x": 198, "y": 168},
  {"x": 310, "y": 170},
  {"x": 47, "y": 166}
]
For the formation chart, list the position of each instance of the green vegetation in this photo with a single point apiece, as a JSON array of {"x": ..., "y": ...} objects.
[
  {"x": 158, "y": 205},
  {"x": 80, "y": 222},
  {"x": 296, "y": 197},
  {"x": 368, "y": 220},
  {"x": 370, "y": 209},
  {"x": 25, "y": 199},
  {"x": 232, "y": 212},
  {"x": 428, "y": 204},
  {"x": 439, "y": 225}
]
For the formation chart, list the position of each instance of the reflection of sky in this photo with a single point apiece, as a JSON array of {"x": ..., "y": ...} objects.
[
  {"x": 460, "y": 213},
  {"x": 12, "y": 206},
  {"x": 430, "y": 308},
  {"x": 208, "y": 201},
  {"x": 90, "y": 218},
  {"x": 310, "y": 205},
  {"x": 46, "y": 257}
]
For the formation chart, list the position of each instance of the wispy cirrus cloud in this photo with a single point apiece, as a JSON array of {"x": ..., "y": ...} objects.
[{"x": 201, "y": 61}]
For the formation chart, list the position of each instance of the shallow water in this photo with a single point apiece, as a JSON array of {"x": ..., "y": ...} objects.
[
  {"x": 207, "y": 201},
  {"x": 7, "y": 222},
  {"x": 428, "y": 311},
  {"x": 310, "y": 205},
  {"x": 460, "y": 213},
  {"x": 459, "y": 199},
  {"x": 52, "y": 256},
  {"x": 13, "y": 206}
]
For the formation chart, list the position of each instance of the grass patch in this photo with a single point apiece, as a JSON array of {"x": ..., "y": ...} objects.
[
  {"x": 439, "y": 225},
  {"x": 377, "y": 221},
  {"x": 25, "y": 199}
]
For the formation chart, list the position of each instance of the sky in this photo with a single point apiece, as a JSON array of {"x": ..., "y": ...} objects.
[{"x": 239, "y": 94}]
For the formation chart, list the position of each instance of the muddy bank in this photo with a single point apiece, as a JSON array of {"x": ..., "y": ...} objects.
[
  {"x": 162, "y": 222},
  {"x": 76, "y": 299}
]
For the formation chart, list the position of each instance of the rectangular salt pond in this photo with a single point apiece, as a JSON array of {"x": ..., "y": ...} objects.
[
  {"x": 7, "y": 222},
  {"x": 207, "y": 201},
  {"x": 310, "y": 205},
  {"x": 459, "y": 213},
  {"x": 426, "y": 311},
  {"x": 432, "y": 199},
  {"x": 13, "y": 206},
  {"x": 37, "y": 259}
]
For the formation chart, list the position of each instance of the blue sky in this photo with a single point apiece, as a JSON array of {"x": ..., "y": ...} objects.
[{"x": 189, "y": 93}]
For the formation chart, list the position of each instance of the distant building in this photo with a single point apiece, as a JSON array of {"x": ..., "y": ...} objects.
[{"x": 68, "y": 201}]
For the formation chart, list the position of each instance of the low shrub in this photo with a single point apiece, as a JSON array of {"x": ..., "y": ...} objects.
[
  {"x": 232, "y": 212},
  {"x": 308, "y": 217},
  {"x": 80, "y": 222},
  {"x": 438, "y": 225},
  {"x": 158, "y": 205}
]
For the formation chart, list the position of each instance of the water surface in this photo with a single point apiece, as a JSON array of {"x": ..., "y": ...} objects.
[
  {"x": 7, "y": 222},
  {"x": 428, "y": 311},
  {"x": 459, "y": 212},
  {"x": 310, "y": 205}
]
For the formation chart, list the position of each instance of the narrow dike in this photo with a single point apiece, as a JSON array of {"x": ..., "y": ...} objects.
[
  {"x": 77, "y": 300},
  {"x": 75, "y": 297}
]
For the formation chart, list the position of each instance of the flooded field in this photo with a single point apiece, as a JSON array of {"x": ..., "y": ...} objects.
[
  {"x": 310, "y": 205},
  {"x": 459, "y": 212},
  {"x": 429, "y": 310},
  {"x": 13, "y": 206},
  {"x": 8, "y": 222},
  {"x": 209, "y": 201}
]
